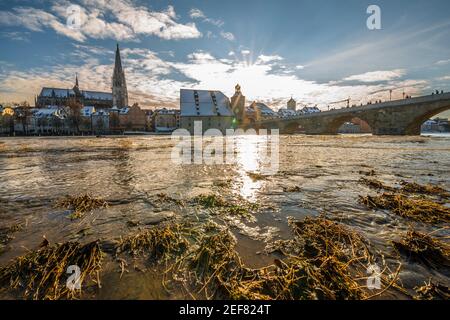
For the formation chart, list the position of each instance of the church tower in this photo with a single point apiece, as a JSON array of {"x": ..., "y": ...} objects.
[
  {"x": 119, "y": 86},
  {"x": 292, "y": 104},
  {"x": 238, "y": 104}
]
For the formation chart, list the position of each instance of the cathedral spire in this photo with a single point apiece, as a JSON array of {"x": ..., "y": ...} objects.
[
  {"x": 119, "y": 86},
  {"x": 76, "y": 79},
  {"x": 118, "y": 61}
]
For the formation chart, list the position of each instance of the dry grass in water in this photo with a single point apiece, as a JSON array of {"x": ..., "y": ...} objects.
[
  {"x": 158, "y": 242},
  {"x": 417, "y": 209},
  {"x": 125, "y": 144},
  {"x": 42, "y": 274},
  {"x": 428, "y": 189},
  {"x": 24, "y": 148},
  {"x": 219, "y": 204},
  {"x": 6, "y": 235},
  {"x": 375, "y": 184},
  {"x": 256, "y": 176},
  {"x": 425, "y": 249},
  {"x": 432, "y": 291},
  {"x": 329, "y": 267},
  {"x": 81, "y": 204},
  {"x": 165, "y": 198},
  {"x": 292, "y": 189}
]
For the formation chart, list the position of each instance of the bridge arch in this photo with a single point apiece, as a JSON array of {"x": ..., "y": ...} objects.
[
  {"x": 415, "y": 125},
  {"x": 337, "y": 123}
]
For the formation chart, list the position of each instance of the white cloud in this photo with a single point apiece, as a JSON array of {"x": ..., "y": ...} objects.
[
  {"x": 128, "y": 21},
  {"x": 445, "y": 78},
  {"x": 196, "y": 13},
  {"x": 376, "y": 76},
  {"x": 265, "y": 59},
  {"x": 299, "y": 67},
  {"x": 245, "y": 52},
  {"x": 442, "y": 62},
  {"x": 227, "y": 35}
]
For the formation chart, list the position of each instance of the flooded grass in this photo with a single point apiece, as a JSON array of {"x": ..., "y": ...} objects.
[
  {"x": 125, "y": 144},
  {"x": 418, "y": 209},
  {"x": 235, "y": 207},
  {"x": 329, "y": 267},
  {"x": 41, "y": 274},
  {"x": 158, "y": 242},
  {"x": 432, "y": 291},
  {"x": 163, "y": 198},
  {"x": 425, "y": 249},
  {"x": 256, "y": 176},
  {"x": 428, "y": 189},
  {"x": 376, "y": 184},
  {"x": 7, "y": 234},
  {"x": 81, "y": 204},
  {"x": 292, "y": 189}
]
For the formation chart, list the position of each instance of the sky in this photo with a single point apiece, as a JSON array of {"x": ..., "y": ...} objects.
[{"x": 316, "y": 51}]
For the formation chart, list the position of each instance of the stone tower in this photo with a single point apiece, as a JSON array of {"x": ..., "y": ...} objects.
[
  {"x": 292, "y": 104},
  {"x": 238, "y": 103},
  {"x": 119, "y": 85}
]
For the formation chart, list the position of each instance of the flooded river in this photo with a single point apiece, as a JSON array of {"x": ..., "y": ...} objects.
[{"x": 130, "y": 171}]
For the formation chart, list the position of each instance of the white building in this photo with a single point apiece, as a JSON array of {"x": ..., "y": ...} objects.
[
  {"x": 51, "y": 119},
  {"x": 286, "y": 113},
  {"x": 212, "y": 108}
]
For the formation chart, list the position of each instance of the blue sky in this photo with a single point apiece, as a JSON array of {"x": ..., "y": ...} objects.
[{"x": 316, "y": 51}]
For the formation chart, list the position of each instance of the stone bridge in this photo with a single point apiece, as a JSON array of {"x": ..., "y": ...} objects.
[{"x": 399, "y": 117}]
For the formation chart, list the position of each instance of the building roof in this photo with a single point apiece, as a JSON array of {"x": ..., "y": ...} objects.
[
  {"x": 66, "y": 93},
  {"x": 48, "y": 112},
  {"x": 204, "y": 103},
  {"x": 264, "y": 109},
  {"x": 59, "y": 92},
  {"x": 96, "y": 95}
]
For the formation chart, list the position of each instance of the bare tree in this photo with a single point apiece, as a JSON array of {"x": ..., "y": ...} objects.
[{"x": 74, "y": 117}]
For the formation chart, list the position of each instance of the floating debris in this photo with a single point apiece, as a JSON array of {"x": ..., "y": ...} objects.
[
  {"x": 425, "y": 249},
  {"x": 238, "y": 206},
  {"x": 161, "y": 241},
  {"x": 42, "y": 274},
  {"x": 81, "y": 204},
  {"x": 368, "y": 173},
  {"x": 256, "y": 176},
  {"x": 223, "y": 184},
  {"x": 375, "y": 184},
  {"x": 292, "y": 189},
  {"x": 418, "y": 209},
  {"x": 125, "y": 144},
  {"x": 429, "y": 189},
  {"x": 165, "y": 198},
  {"x": 327, "y": 268},
  {"x": 6, "y": 234},
  {"x": 432, "y": 291}
]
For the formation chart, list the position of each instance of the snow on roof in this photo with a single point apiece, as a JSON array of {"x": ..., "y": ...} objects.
[
  {"x": 204, "y": 103},
  {"x": 166, "y": 111},
  {"x": 97, "y": 95},
  {"x": 65, "y": 93},
  {"x": 58, "y": 92},
  {"x": 264, "y": 109},
  {"x": 47, "y": 112}
]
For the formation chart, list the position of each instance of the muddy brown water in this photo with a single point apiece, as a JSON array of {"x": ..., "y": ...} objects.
[{"x": 35, "y": 172}]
